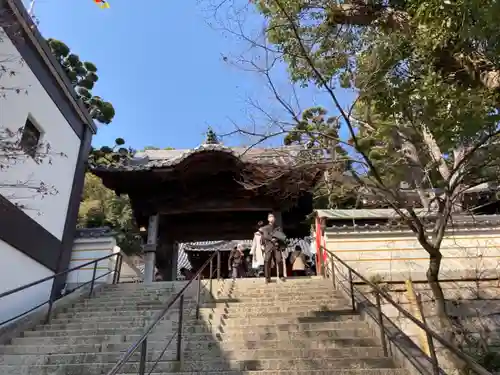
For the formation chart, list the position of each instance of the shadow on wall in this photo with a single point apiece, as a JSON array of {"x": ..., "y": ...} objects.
[{"x": 474, "y": 308}]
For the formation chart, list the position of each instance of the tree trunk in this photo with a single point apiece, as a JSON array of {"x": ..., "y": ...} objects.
[{"x": 446, "y": 328}]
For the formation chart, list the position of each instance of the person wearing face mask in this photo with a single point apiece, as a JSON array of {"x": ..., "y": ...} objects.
[{"x": 273, "y": 240}]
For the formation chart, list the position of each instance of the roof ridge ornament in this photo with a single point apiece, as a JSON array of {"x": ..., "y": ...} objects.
[{"x": 211, "y": 137}]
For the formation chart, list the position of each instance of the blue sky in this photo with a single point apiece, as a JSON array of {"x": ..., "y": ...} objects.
[{"x": 161, "y": 66}]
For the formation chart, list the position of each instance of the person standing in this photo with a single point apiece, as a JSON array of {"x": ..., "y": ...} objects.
[
  {"x": 257, "y": 251},
  {"x": 273, "y": 240},
  {"x": 236, "y": 258},
  {"x": 298, "y": 261}
]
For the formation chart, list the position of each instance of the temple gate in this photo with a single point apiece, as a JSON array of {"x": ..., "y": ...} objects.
[{"x": 212, "y": 192}]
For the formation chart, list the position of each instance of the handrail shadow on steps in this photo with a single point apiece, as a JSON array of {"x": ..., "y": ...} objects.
[
  {"x": 142, "y": 342},
  {"x": 393, "y": 333},
  {"x": 53, "y": 297}
]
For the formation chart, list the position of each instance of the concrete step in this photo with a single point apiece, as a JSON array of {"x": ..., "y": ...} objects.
[
  {"x": 192, "y": 366},
  {"x": 51, "y": 358},
  {"x": 381, "y": 371},
  {"x": 200, "y": 326},
  {"x": 70, "y": 314},
  {"x": 91, "y": 305},
  {"x": 356, "y": 330},
  {"x": 311, "y": 343},
  {"x": 290, "y": 311},
  {"x": 103, "y": 307},
  {"x": 167, "y": 326},
  {"x": 268, "y": 300},
  {"x": 206, "y": 314},
  {"x": 333, "y": 335},
  {"x": 207, "y": 317},
  {"x": 237, "y": 346},
  {"x": 277, "y": 292},
  {"x": 207, "y": 299},
  {"x": 234, "y": 310}
]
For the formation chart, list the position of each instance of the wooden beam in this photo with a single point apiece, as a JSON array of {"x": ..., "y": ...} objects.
[{"x": 195, "y": 210}]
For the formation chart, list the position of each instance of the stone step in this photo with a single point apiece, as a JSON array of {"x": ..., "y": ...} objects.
[
  {"x": 115, "y": 313},
  {"x": 236, "y": 310},
  {"x": 208, "y": 318},
  {"x": 379, "y": 371},
  {"x": 201, "y": 326},
  {"x": 50, "y": 358},
  {"x": 273, "y": 308},
  {"x": 270, "y": 290},
  {"x": 238, "y": 348},
  {"x": 220, "y": 302},
  {"x": 356, "y": 330},
  {"x": 333, "y": 335},
  {"x": 103, "y": 307},
  {"x": 297, "y": 311},
  {"x": 311, "y": 343},
  {"x": 191, "y": 366},
  {"x": 207, "y": 314}
]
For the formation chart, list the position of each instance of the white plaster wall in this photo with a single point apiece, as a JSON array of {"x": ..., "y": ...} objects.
[
  {"x": 17, "y": 269},
  {"x": 86, "y": 250},
  {"x": 48, "y": 211},
  {"x": 396, "y": 255}
]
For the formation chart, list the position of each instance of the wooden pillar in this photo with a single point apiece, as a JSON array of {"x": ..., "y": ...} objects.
[
  {"x": 168, "y": 252},
  {"x": 150, "y": 249},
  {"x": 175, "y": 260}
]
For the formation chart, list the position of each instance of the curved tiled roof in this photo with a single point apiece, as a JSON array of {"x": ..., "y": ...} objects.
[
  {"x": 94, "y": 232},
  {"x": 152, "y": 159},
  {"x": 457, "y": 222}
]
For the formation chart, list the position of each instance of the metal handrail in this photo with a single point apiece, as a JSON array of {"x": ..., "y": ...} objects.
[
  {"x": 53, "y": 298},
  {"x": 142, "y": 341},
  {"x": 470, "y": 362}
]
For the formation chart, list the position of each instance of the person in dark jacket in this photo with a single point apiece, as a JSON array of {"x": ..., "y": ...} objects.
[
  {"x": 236, "y": 258},
  {"x": 274, "y": 241}
]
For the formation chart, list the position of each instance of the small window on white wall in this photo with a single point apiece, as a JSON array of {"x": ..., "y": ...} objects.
[{"x": 30, "y": 138}]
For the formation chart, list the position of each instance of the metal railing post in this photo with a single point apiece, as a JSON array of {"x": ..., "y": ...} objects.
[
  {"x": 119, "y": 269},
  {"x": 218, "y": 265},
  {"x": 430, "y": 339},
  {"x": 179, "y": 330},
  {"x": 322, "y": 263},
  {"x": 381, "y": 324},
  {"x": 211, "y": 276},
  {"x": 117, "y": 260},
  {"x": 144, "y": 353},
  {"x": 198, "y": 292},
  {"x": 93, "y": 280},
  {"x": 49, "y": 311},
  {"x": 351, "y": 287},
  {"x": 333, "y": 273}
]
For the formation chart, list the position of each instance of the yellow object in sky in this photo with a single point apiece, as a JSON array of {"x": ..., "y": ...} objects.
[{"x": 103, "y": 4}]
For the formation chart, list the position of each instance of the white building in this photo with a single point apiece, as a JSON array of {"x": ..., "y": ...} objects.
[{"x": 38, "y": 105}]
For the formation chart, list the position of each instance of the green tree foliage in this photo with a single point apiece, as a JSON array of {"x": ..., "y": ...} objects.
[
  {"x": 101, "y": 207},
  {"x": 115, "y": 155},
  {"x": 83, "y": 76},
  {"x": 426, "y": 74}
]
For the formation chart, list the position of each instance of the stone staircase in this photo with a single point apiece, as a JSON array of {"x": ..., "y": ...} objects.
[{"x": 297, "y": 327}]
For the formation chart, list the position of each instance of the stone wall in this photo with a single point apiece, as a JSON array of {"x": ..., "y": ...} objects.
[{"x": 396, "y": 255}]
